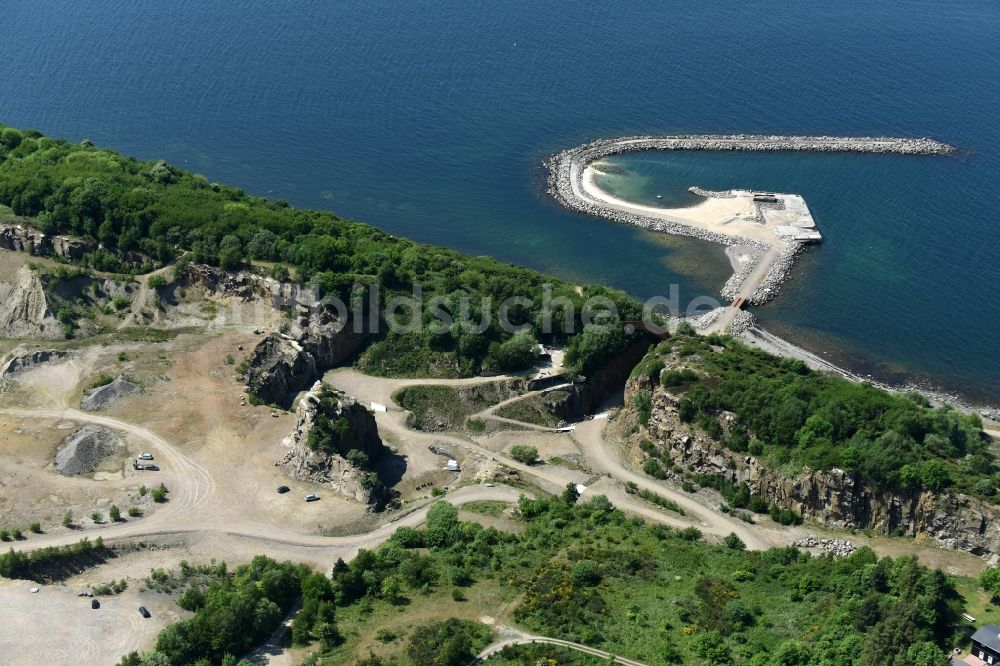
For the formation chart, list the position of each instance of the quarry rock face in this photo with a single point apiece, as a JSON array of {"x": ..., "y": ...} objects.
[
  {"x": 24, "y": 309},
  {"x": 25, "y": 239},
  {"x": 22, "y": 360},
  {"x": 315, "y": 339},
  {"x": 833, "y": 497},
  {"x": 332, "y": 468}
]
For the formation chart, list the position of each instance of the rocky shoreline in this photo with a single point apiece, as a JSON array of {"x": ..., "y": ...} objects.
[{"x": 566, "y": 170}]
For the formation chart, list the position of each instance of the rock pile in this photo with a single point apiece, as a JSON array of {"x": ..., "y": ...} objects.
[
  {"x": 86, "y": 449},
  {"x": 102, "y": 396},
  {"x": 840, "y": 547}
]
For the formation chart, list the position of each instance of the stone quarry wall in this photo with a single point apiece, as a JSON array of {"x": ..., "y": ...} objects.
[
  {"x": 283, "y": 364},
  {"x": 20, "y": 238},
  {"x": 332, "y": 469},
  {"x": 834, "y": 498},
  {"x": 585, "y": 397}
]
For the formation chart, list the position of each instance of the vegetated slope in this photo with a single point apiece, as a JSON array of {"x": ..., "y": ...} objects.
[
  {"x": 794, "y": 418},
  {"x": 586, "y": 573},
  {"x": 145, "y": 213},
  {"x": 438, "y": 408}
]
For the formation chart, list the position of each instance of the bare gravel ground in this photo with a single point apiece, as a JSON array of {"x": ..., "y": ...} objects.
[{"x": 55, "y": 626}]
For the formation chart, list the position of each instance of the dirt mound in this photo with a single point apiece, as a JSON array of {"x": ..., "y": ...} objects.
[
  {"x": 100, "y": 397},
  {"x": 85, "y": 449}
]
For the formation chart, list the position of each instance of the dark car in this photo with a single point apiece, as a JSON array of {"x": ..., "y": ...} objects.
[
  {"x": 283, "y": 489},
  {"x": 143, "y": 611},
  {"x": 94, "y": 603}
]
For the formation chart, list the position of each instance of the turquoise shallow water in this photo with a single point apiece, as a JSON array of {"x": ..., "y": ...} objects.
[{"x": 430, "y": 118}]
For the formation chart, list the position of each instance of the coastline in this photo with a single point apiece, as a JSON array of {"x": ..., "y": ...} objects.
[
  {"x": 759, "y": 337},
  {"x": 571, "y": 183},
  {"x": 760, "y": 264}
]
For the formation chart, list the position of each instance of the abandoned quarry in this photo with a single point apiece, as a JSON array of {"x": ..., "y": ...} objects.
[{"x": 225, "y": 389}]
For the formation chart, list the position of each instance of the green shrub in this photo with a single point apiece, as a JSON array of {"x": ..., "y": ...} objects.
[
  {"x": 160, "y": 493},
  {"x": 524, "y": 454}
]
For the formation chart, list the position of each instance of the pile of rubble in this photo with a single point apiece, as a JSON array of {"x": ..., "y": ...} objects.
[
  {"x": 840, "y": 547},
  {"x": 102, "y": 396},
  {"x": 86, "y": 449}
]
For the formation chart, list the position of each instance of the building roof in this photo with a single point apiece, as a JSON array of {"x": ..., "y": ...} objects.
[{"x": 988, "y": 635}]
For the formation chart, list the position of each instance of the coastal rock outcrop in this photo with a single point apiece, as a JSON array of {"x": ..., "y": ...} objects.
[
  {"x": 328, "y": 458},
  {"x": 834, "y": 497}
]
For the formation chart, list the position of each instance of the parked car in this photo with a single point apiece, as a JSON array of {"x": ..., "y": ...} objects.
[
  {"x": 94, "y": 603},
  {"x": 312, "y": 498},
  {"x": 143, "y": 611},
  {"x": 145, "y": 456},
  {"x": 283, "y": 489}
]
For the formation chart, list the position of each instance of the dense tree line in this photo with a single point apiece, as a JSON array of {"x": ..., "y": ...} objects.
[
  {"x": 797, "y": 417},
  {"x": 145, "y": 212},
  {"x": 234, "y": 611},
  {"x": 53, "y": 562}
]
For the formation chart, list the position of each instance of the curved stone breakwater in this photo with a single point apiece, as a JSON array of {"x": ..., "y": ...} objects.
[{"x": 567, "y": 170}]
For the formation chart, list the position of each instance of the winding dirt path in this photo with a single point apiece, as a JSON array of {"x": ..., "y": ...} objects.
[{"x": 517, "y": 637}]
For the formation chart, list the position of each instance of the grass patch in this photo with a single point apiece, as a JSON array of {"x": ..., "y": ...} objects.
[
  {"x": 532, "y": 409},
  {"x": 438, "y": 408}
]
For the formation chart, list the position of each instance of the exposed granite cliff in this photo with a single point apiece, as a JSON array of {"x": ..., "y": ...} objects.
[
  {"x": 585, "y": 395},
  {"x": 834, "y": 498},
  {"x": 355, "y": 430},
  {"x": 316, "y": 337},
  {"x": 21, "y": 238}
]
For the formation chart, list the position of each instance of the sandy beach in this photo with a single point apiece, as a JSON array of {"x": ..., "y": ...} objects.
[{"x": 729, "y": 216}]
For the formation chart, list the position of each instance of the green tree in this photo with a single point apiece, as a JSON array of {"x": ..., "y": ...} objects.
[
  {"x": 570, "y": 494},
  {"x": 114, "y": 514},
  {"x": 990, "y": 580},
  {"x": 452, "y": 642},
  {"x": 442, "y": 524}
]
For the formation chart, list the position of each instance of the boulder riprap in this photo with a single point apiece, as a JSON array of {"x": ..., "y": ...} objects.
[
  {"x": 840, "y": 547},
  {"x": 86, "y": 449},
  {"x": 102, "y": 396},
  {"x": 335, "y": 442}
]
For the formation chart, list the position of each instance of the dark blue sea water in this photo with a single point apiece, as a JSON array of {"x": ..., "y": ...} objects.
[{"x": 429, "y": 118}]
